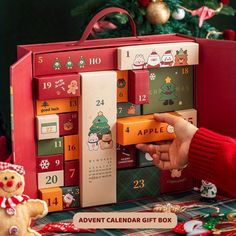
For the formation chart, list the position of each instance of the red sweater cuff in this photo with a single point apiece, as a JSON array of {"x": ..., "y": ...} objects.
[{"x": 211, "y": 157}]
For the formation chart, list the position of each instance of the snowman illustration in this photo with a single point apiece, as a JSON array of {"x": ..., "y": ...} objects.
[
  {"x": 167, "y": 59},
  {"x": 139, "y": 62},
  {"x": 153, "y": 60}
]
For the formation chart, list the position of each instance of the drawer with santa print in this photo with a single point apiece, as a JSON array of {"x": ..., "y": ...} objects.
[
  {"x": 171, "y": 89},
  {"x": 137, "y": 183},
  {"x": 70, "y": 197},
  {"x": 157, "y": 55}
]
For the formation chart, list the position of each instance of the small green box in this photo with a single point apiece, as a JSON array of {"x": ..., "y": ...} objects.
[
  {"x": 144, "y": 159},
  {"x": 125, "y": 109},
  {"x": 171, "y": 89},
  {"x": 50, "y": 146},
  {"x": 70, "y": 197},
  {"x": 138, "y": 183}
]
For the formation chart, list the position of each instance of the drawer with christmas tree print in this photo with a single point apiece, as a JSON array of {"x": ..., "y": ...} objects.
[{"x": 171, "y": 89}]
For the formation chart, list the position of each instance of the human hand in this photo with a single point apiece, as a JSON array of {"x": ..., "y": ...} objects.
[{"x": 175, "y": 154}]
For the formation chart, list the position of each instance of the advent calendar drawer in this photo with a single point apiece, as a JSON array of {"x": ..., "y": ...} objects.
[
  {"x": 126, "y": 156},
  {"x": 51, "y": 179},
  {"x": 53, "y": 198},
  {"x": 53, "y": 87},
  {"x": 137, "y": 183},
  {"x": 70, "y": 197},
  {"x": 75, "y": 61},
  {"x": 171, "y": 89},
  {"x": 157, "y": 55},
  {"x": 97, "y": 137},
  {"x": 175, "y": 181},
  {"x": 50, "y": 146},
  {"x": 142, "y": 129},
  {"x": 49, "y": 163},
  {"x": 125, "y": 109}
]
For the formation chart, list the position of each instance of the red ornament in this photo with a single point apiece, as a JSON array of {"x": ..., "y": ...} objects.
[
  {"x": 229, "y": 34},
  {"x": 144, "y": 3},
  {"x": 64, "y": 227},
  {"x": 225, "y": 1},
  {"x": 179, "y": 228}
]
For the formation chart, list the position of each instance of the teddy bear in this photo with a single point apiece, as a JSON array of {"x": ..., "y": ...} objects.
[
  {"x": 106, "y": 141},
  {"x": 17, "y": 209}
]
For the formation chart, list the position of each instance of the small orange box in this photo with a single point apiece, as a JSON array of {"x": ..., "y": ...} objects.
[
  {"x": 142, "y": 129},
  {"x": 53, "y": 198},
  {"x": 122, "y": 86},
  {"x": 71, "y": 147},
  {"x": 54, "y": 106}
]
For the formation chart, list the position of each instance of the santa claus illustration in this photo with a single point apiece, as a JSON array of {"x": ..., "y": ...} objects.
[
  {"x": 167, "y": 59},
  {"x": 153, "y": 60}
]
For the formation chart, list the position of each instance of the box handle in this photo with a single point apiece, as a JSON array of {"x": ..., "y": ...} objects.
[{"x": 101, "y": 14}]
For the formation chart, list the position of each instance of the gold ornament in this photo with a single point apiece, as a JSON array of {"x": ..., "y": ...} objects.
[{"x": 158, "y": 12}]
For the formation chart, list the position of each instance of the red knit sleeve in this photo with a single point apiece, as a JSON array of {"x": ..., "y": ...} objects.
[{"x": 213, "y": 157}]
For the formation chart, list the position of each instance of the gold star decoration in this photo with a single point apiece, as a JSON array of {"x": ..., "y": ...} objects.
[{"x": 168, "y": 80}]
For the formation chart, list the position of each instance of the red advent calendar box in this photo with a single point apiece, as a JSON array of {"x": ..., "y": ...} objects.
[{"x": 78, "y": 82}]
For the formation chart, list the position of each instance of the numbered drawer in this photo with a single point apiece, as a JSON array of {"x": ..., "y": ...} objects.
[
  {"x": 137, "y": 183},
  {"x": 70, "y": 197},
  {"x": 189, "y": 115},
  {"x": 51, "y": 179},
  {"x": 71, "y": 147},
  {"x": 49, "y": 163},
  {"x": 142, "y": 129},
  {"x": 53, "y": 198},
  {"x": 55, "y": 106},
  {"x": 139, "y": 86},
  {"x": 126, "y": 109},
  {"x": 71, "y": 169},
  {"x": 175, "y": 181},
  {"x": 51, "y": 146},
  {"x": 61, "y": 86},
  {"x": 47, "y": 127},
  {"x": 126, "y": 156},
  {"x": 157, "y": 55},
  {"x": 122, "y": 86},
  {"x": 171, "y": 89},
  {"x": 68, "y": 123}
]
